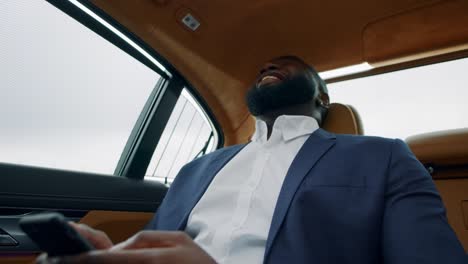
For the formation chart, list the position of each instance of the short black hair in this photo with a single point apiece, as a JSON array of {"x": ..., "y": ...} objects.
[{"x": 322, "y": 84}]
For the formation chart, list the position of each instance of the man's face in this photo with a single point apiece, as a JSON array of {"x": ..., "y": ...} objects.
[
  {"x": 281, "y": 83},
  {"x": 276, "y": 71}
]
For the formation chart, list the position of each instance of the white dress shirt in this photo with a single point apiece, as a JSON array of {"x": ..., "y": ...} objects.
[{"x": 232, "y": 219}]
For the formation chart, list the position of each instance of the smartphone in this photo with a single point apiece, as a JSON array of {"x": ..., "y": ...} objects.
[{"x": 52, "y": 234}]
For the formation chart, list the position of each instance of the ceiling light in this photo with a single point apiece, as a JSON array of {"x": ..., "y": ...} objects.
[
  {"x": 346, "y": 71},
  {"x": 120, "y": 34}
]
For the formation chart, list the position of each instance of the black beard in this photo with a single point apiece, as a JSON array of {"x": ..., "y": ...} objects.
[{"x": 299, "y": 89}]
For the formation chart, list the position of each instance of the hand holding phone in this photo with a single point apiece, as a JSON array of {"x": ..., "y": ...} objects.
[{"x": 52, "y": 234}]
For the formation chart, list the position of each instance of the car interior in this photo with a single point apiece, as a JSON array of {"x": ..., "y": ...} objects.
[{"x": 213, "y": 49}]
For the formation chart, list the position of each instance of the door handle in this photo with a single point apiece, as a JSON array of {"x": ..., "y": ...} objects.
[{"x": 6, "y": 240}]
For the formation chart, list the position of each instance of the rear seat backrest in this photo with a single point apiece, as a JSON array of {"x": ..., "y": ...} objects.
[{"x": 445, "y": 154}]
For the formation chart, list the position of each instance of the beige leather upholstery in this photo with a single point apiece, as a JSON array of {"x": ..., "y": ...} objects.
[
  {"x": 343, "y": 119},
  {"x": 449, "y": 147}
]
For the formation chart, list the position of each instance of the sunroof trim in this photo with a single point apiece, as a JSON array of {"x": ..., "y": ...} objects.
[
  {"x": 121, "y": 35},
  {"x": 346, "y": 71}
]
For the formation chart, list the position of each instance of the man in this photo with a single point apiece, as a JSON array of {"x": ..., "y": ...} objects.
[{"x": 295, "y": 193}]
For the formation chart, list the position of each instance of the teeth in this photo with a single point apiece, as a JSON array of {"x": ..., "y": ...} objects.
[{"x": 270, "y": 77}]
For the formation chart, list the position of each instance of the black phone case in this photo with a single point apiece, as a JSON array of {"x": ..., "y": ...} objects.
[{"x": 52, "y": 234}]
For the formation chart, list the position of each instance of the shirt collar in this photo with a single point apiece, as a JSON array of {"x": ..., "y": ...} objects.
[
  {"x": 290, "y": 127},
  {"x": 261, "y": 131}
]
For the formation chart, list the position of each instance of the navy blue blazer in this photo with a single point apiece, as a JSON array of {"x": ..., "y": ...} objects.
[{"x": 345, "y": 199}]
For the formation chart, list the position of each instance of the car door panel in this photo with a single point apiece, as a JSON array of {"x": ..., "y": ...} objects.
[
  {"x": 117, "y": 205},
  {"x": 117, "y": 225}
]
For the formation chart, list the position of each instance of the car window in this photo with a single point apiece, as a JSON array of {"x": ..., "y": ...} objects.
[
  {"x": 409, "y": 102},
  {"x": 188, "y": 134},
  {"x": 68, "y": 98}
]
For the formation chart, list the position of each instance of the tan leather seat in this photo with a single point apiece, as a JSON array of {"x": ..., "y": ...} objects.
[
  {"x": 445, "y": 154},
  {"x": 343, "y": 119},
  {"x": 442, "y": 148}
]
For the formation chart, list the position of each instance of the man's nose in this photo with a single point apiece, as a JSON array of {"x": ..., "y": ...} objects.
[{"x": 269, "y": 67}]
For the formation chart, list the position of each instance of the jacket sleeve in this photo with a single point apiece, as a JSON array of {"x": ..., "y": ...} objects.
[{"x": 415, "y": 227}]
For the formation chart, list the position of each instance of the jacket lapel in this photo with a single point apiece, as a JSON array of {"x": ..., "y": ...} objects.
[
  {"x": 203, "y": 178},
  {"x": 313, "y": 149}
]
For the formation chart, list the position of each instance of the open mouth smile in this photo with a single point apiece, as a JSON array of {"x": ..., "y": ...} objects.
[{"x": 272, "y": 77}]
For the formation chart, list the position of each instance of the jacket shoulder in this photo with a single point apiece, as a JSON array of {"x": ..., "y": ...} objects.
[
  {"x": 364, "y": 141},
  {"x": 366, "y": 146}
]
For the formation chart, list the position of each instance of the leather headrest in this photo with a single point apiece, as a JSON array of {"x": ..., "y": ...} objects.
[
  {"x": 343, "y": 119},
  {"x": 449, "y": 147}
]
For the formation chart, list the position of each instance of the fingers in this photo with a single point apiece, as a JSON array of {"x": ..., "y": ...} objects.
[
  {"x": 45, "y": 259},
  {"x": 125, "y": 256},
  {"x": 146, "y": 247},
  {"x": 97, "y": 238},
  {"x": 42, "y": 259},
  {"x": 154, "y": 239}
]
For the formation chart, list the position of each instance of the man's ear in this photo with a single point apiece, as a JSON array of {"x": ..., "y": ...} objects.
[
  {"x": 324, "y": 100},
  {"x": 323, "y": 105}
]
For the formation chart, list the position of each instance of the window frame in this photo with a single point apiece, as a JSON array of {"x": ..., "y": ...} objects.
[{"x": 148, "y": 129}]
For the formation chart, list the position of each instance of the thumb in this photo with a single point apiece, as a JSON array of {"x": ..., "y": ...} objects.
[
  {"x": 97, "y": 238},
  {"x": 154, "y": 239}
]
